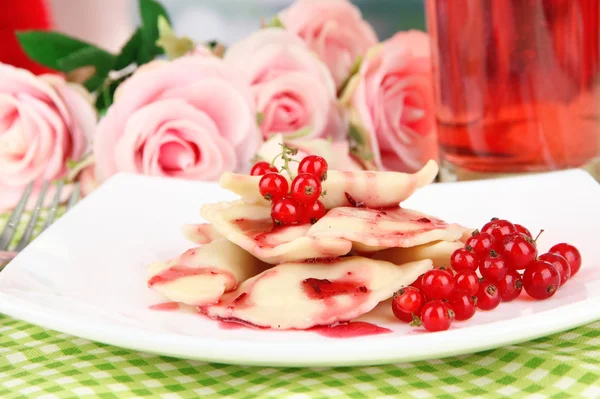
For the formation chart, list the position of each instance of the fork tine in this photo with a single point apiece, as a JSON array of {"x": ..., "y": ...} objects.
[
  {"x": 9, "y": 231},
  {"x": 74, "y": 196},
  {"x": 54, "y": 206},
  {"x": 33, "y": 219}
]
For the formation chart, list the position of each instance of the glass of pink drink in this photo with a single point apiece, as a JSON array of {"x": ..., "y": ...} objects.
[{"x": 517, "y": 84}]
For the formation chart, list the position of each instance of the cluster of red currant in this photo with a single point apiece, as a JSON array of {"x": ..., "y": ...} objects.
[
  {"x": 298, "y": 203},
  {"x": 484, "y": 273}
]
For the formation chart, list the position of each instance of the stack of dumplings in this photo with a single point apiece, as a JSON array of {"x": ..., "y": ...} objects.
[{"x": 248, "y": 270}]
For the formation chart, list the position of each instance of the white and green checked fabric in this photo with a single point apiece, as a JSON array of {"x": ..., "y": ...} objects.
[{"x": 38, "y": 363}]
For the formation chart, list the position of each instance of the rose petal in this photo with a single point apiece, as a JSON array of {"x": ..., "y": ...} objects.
[
  {"x": 219, "y": 100},
  {"x": 170, "y": 80},
  {"x": 334, "y": 29},
  {"x": 316, "y": 102}
]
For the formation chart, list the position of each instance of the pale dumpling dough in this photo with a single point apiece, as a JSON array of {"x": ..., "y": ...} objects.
[
  {"x": 371, "y": 230},
  {"x": 306, "y": 294},
  {"x": 250, "y": 226},
  {"x": 373, "y": 189},
  {"x": 202, "y": 233},
  {"x": 438, "y": 252},
  {"x": 201, "y": 275}
]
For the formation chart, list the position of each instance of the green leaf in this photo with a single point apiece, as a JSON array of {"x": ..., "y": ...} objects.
[
  {"x": 259, "y": 118},
  {"x": 150, "y": 10},
  {"x": 87, "y": 56},
  {"x": 299, "y": 133},
  {"x": 97, "y": 80},
  {"x": 353, "y": 71},
  {"x": 355, "y": 134},
  {"x": 106, "y": 95},
  {"x": 275, "y": 22},
  {"x": 129, "y": 52},
  {"x": 47, "y": 48},
  {"x": 101, "y": 60},
  {"x": 173, "y": 45}
]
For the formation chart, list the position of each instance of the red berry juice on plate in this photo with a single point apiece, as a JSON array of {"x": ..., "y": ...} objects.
[{"x": 517, "y": 83}]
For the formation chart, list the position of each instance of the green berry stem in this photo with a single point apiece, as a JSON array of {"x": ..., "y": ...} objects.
[{"x": 286, "y": 155}]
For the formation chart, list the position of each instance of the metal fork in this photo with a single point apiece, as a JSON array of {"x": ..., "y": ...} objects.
[{"x": 7, "y": 253}]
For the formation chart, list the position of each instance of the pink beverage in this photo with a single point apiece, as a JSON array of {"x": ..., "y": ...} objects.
[{"x": 517, "y": 83}]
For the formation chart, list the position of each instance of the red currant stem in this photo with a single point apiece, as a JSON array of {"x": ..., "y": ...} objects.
[
  {"x": 538, "y": 236},
  {"x": 285, "y": 155},
  {"x": 416, "y": 321}
]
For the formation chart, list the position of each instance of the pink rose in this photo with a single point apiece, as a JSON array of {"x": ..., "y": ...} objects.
[
  {"x": 44, "y": 122},
  {"x": 191, "y": 118},
  {"x": 293, "y": 90},
  {"x": 392, "y": 103},
  {"x": 334, "y": 29}
]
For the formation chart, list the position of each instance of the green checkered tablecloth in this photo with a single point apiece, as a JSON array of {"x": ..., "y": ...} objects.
[{"x": 38, "y": 363}]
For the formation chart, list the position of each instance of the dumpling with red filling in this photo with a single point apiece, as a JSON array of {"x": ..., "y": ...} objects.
[
  {"x": 301, "y": 295},
  {"x": 372, "y": 230},
  {"x": 372, "y": 189},
  {"x": 438, "y": 252},
  {"x": 201, "y": 275},
  {"x": 202, "y": 233},
  {"x": 250, "y": 226}
]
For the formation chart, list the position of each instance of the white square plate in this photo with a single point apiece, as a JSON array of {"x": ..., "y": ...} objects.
[{"x": 86, "y": 274}]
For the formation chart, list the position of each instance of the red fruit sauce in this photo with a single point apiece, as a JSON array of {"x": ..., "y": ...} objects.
[
  {"x": 344, "y": 330},
  {"x": 323, "y": 289},
  {"x": 165, "y": 306},
  {"x": 350, "y": 330},
  {"x": 176, "y": 272}
]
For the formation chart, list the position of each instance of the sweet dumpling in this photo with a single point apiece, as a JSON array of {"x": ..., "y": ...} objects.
[
  {"x": 372, "y": 230},
  {"x": 202, "y": 233},
  {"x": 201, "y": 275},
  {"x": 250, "y": 226},
  {"x": 373, "y": 189},
  {"x": 438, "y": 252},
  {"x": 306, "y": 294}
]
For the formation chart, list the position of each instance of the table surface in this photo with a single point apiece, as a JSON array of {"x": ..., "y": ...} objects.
[{"x": 40, "y": 363}]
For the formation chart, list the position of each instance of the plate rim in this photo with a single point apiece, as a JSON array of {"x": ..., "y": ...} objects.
[{"x": 260, "y": 353}]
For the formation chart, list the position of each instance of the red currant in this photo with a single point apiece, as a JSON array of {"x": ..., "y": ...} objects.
[
  {"x": 409, "y": 300},
  {"x": 498, "y": 228},
  {"x": 400, "y": 315},
  {"x": 286, "y": 211},
  {"x": 518, "y": 250},
  {"x": 482, "y": 243},
  {"x": 510, "y": 286},
  {"x": 436, "y": 316},
  {"x": 466, "y": 282},
  {"x": 273, "y": 186},
  {"x": 570, "y": 253},
  {"x": 463, "y": 259},
  {"x": 418, "y": 284},
  {"x": 313, "y": 212},
  {"x": 541, "y": 279},
  {"x": 560, "y": 263},
  {"x": 262, "y": 168},
  {"x": 523, "y": 230},
  {"x": 493, "y": 267},
  {"x": 437, "y": 284},
  {"x": 463, "y": 306},
  {"x": 306, "y": 189},
  {"x": 488, "y": 297},
  {"x": 449, "y": 270},
  {"x": 314, "y": 165}
]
